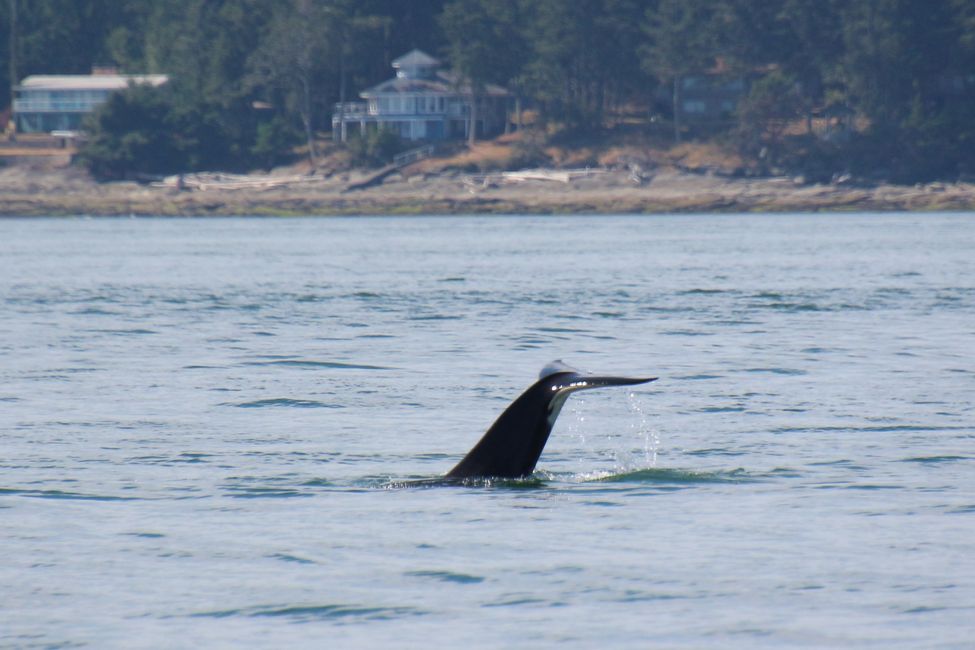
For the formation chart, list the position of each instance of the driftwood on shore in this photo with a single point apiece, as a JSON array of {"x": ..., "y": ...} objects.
[
  {"x": 204, "y": 181},
  {"x": 373, "y": 179},
  {"x": 480, "y": 181}
]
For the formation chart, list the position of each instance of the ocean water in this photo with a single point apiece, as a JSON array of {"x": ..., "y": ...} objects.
[{"x": 205, "y": 425}]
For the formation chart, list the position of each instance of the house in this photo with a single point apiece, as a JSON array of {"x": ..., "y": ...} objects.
[
  {"x": 45, "y": 103},
  {"x": 710, "y": 97},
  {"x": 422, "y": 102}
]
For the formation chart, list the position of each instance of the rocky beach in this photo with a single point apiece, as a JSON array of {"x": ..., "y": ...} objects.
[{"x": 47, "y": 187}]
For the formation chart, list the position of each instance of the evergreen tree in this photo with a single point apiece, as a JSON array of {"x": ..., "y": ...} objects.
[
  {"x": 576, "y": 55},
  {"x": 483, "y": 45},
  {"x": 682, "y": 39},
  {"x": 133, "y": 133}
]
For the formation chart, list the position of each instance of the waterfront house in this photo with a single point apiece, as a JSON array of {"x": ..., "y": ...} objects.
[
  {"x": 422, "y": 102},
  {"x": 46, "y": 103},
  {"x": 710, "y": 97}
]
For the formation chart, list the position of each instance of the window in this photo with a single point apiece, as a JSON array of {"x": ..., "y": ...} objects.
[{"x": 694, "y": 106}]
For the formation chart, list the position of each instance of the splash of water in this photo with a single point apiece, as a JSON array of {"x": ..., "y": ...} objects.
[
  {"x": 631, "y": 449},
  {"x": 648, "y": 437}
]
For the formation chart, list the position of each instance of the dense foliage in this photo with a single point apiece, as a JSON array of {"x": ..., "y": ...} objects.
[{"x": 905, "y": 69}]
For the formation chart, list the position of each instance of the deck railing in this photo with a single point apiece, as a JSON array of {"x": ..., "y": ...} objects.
[
  {"x": 357, "y": 110},
  {"x": 413, "y": 155},
  {"x": 55, "y": 106},
  {"x": 351, "y": 110}
]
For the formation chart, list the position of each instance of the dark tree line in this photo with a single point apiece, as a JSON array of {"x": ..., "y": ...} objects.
[{"x": 904, "y": 68}]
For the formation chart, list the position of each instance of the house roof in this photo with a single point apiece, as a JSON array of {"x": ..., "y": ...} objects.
[
  {"x": 443, "y": 83},
  {"x": 404, "y": 86},
  {"x": 89, "y": 82},
  {"x": 415, "y": 58}
]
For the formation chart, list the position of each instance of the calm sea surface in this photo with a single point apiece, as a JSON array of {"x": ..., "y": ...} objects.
[{"x": 204, "y": 425}]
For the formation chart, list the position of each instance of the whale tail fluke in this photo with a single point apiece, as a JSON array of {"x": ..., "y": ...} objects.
[{"x": 511, "y": 447}]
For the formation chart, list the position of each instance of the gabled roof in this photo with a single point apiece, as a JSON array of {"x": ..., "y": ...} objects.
[
  {"x": 415, "y": 58},
  {"x": 89, "y": 81},
  {"x": 402, "y": 86},
  {"x": 446, "y": 83}
]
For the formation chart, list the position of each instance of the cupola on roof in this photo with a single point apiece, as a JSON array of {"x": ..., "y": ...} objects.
[{"x": 415, "y": 59}]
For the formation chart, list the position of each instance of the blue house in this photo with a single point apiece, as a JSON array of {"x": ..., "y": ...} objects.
[
  {"x": 422, "y": 102},
  {"x": 45, "y": 103}
]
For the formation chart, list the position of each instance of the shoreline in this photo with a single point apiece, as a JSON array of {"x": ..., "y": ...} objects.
[{"x": 30, "y": 190}]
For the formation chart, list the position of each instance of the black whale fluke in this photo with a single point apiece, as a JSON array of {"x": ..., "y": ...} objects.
[{"x": 512, "y": 445}]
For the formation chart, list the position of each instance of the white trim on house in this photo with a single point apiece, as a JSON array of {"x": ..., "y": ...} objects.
[
  {"x": 420, "y": 103},
  {"x": 45, "y": 103}
]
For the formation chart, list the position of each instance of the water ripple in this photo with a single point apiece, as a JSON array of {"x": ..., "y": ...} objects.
[
  {"x": 303, "y": 613},
  {"x": 285, "y": 402},
  {"x": 304, "y": 363}
]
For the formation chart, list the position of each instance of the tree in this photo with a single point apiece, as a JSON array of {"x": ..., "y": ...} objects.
[
  {"x": 682, "y": 38},
  {"x": 763, "y": 115},
  {"x": 132, "y": 133},
  {"x": 291, "y": 60},
  {"x": 483, "y": 45},
  {"x": 274, "y": 137}
]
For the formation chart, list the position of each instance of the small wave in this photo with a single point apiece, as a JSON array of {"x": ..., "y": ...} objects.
[
  {"x": 716, "y": 451},
  {"x": 307, "y": 363},
  {"x": 795, "y": 307},
  {"x": 258, "y": 492},
  {"x": 183, "y": 458},
  {"x": 513, "y": 602},
  {"x": 686, "y": 333},
  {"x": 435, "y": 317},
  {"x": 890, "y": 428},
  {"x": 95, "y": 311},
  {"x": 290, "y": 558},
  {"x": 929, "y": 460},
  {"x": 670, "y": 476},
  {"x": 447, "y": 576},
  {"x": 316, "y": 612},
  {"x": 777, "y": 371},
  {"x": 60, "y": 494},
  {"x": 528, "y": 483},
  {"x": 284, "y": 401},
  {"x": 563, "y": 330}
]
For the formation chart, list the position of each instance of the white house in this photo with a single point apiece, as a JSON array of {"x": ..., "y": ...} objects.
[
  {"x": 44, "y": 103},
  {"x": 422, "y": 102}
]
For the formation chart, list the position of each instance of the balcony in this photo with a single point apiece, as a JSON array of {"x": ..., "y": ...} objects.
[
  {"x": 55, "y": 106},
  {"x": 351, "y": 110}
]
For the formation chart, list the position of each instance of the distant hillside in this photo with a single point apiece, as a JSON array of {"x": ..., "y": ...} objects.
[{"x": 879, "y": 88}]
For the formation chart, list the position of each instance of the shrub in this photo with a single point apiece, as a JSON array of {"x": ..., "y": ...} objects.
[{"x": 375, "y": 148}]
